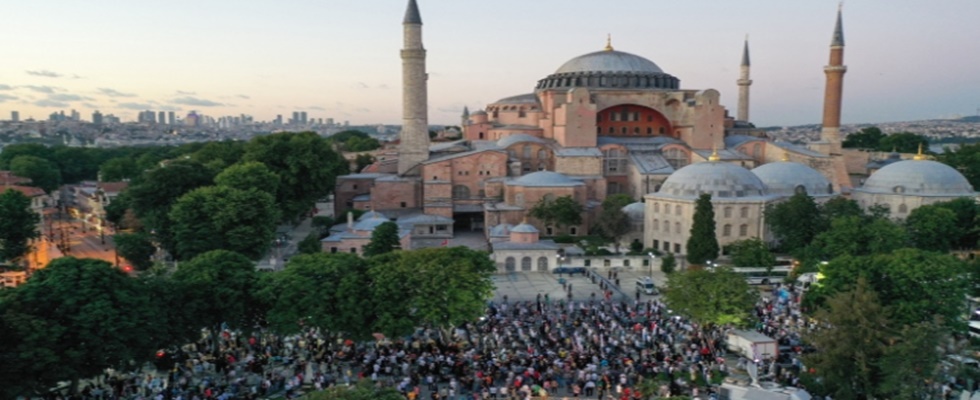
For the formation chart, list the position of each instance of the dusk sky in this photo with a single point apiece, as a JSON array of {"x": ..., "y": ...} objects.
[{"x": 907, "y": 60}]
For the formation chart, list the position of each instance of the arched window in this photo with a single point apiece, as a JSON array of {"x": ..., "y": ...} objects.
[
  {"x": 744, "y": 212},
  {"x": 728, "y": 212},
  {"x": 542, "y": 264},
  {"x": 527, "y": 151},
  {"x": 526, "y": 264},
  {"x": 656, "y": 225},
  {"x": 542, "y": 154},
  {"x": 902, "y": 209},
  {"x": 461, "y": 192},
  {"x": 656, "y": 207},
  {"x": 519, "y": 199},
  {"x": 678, "y": 209},
  {"x": 677, "y": 158},
  {"x": 726, "y": 230},
  {"x": 667, "y": 208},
  {"x": 677, "y": 227},
  {"x": 510, "y": 264},
  {"x": 743, "y": 230},
  {"x": 614, "y": 162}
]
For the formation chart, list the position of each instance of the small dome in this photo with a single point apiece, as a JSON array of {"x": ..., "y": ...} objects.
[
  {"x": 610, "y": 61},
  {"x": 369, "y": 224},
  {"x": 502, "y": 230},
  {"x": 509, "y": 140},
  {"x": 919, "y": 177},
  {"x": 371, "y": 214},
  {"x": 529, "y": 98},
  {"x": 545, "y": 178},
  {"x": 719, "y": 179},
  {"x": 787, "y": 178},
  {"x": 524, "y": 228},
  {"x": 635, "y": 210}
]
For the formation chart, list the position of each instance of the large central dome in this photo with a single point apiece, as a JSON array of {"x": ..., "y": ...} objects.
[
  {"x": 609, "y": 69},
  {"x": 610, "y": 61}
]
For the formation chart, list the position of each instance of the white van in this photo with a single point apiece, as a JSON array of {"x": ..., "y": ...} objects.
[{"x": 645, "y": 285}]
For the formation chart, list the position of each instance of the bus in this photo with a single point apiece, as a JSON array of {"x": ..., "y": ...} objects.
[{"x": 760, "y": 275}]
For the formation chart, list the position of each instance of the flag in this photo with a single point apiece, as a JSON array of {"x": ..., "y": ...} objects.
[{"x": 445, "y": 242}]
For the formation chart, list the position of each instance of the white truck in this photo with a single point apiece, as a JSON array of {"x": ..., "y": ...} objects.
[{"x": 752, "y": 345}]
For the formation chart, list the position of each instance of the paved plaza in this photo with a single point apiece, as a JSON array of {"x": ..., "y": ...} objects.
[{"x": 520, "y": 286}]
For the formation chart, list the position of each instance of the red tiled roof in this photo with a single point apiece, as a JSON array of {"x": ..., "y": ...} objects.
[
  {"x": 28, "y": 191},
  {"x": 113, "y": 187},
  {"x": 8, "y": 178}
]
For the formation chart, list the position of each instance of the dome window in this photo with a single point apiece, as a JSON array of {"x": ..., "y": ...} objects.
[
  {"x": 899, "y": 189},
  {"x": 800, "y": 189}
]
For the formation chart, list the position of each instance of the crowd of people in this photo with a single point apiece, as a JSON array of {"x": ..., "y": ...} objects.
[{"x": 598, "y": 347}]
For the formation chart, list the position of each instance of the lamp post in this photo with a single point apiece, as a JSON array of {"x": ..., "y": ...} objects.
[{"x": 652, "y": 258}]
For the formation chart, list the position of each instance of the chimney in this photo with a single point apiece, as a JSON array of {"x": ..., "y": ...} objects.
[{"x": 350, "y": 220}]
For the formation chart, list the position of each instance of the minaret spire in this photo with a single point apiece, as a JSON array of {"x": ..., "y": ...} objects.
[
  {"x": 833, "y": 94},
  {"x": 743, "y": 84},
  {"x": 414, "y": 147},
  {"x": 838, "y": 39}
]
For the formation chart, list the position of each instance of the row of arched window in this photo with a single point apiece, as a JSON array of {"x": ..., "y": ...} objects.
[
  {"x": 510, "y": 264},
  {"x": 678, "y": 208},
  {"x": 743, "y": 230},
  {"x": 666, "y": 226}
]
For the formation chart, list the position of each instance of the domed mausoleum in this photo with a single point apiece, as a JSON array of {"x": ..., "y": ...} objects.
[
  {"x": 786, "y": 178},
  {"x": 905, "y": 185}
]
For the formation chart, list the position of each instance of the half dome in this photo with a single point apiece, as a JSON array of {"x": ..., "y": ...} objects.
[{"x": 545, "y": 178}]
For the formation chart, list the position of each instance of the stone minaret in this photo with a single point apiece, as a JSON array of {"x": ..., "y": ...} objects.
[
  {"x": 414, "y": 147},
  {"x": 830, "y": 134},
  {"x": 743, "y": 84},
  {"x": 463, "y": 118}
]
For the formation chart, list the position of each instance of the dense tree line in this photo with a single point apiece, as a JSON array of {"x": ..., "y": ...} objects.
[
  {"x": 77, "y": 317},
  {"x": 871, "y": 138}
]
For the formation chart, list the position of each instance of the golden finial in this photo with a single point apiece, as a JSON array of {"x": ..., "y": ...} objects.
[
  {"x": 609, "y": 42},
  {"x": 714, "y": 154},
  {"x": 919, "y": 156},
  {"x": 785, "y": 157}
]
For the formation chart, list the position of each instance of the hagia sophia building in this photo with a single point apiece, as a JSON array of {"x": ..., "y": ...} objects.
[{"x": 603, "y": 123}]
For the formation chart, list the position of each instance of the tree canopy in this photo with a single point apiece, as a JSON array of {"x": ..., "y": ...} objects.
[
  {"x": 249, "y": 176},
  {"x": 717, "y": 296},
  {"x": 871, "y": 138},
  {"x": 18, "y": 225},
  {"x": 932, "y": 228},
  {"x": 218, "y": 217},
  {"x": 220, "y": 286},
  {"x": 702, "y": 246},
  {"x": 795, "y": 222},
  {"x": 965, "y": 158},
  {"x": 751, "y": 253},
  {"x": 384, "y": 239},
  {"x": 156, "y": 191},
  {"x": 137, "y": 248},
  {"x": 860, "y": 236},
  {"x": 42, "y": 173},
  {"x": 562, "y": 211}
]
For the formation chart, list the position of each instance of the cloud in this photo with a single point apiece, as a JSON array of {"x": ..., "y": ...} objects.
[
  {"x": 194, "y": 101},
  {"x": 363, "y": 110},
  {"x": 135, "y": 106},
  {"x": 67, "y": 97},
  {"x": 242, "y": 96},
  {"x": 361, "y": 85},
  {"x": 90, "y": 105},
  {"x": 6, "y": 87},
  {"x": 6, "y": 97},
  {"x": 318, "y": 108},
  {"x": 41, "y": 89},
  {"x": 45, "y": 73},
  {"x": 74, "y": 76},
  {"x": 50, "y": 103},
  {"x": 382, "y": 86},
  {"x": 186, "y": 93},
  {"x": 115, "y": 93}
]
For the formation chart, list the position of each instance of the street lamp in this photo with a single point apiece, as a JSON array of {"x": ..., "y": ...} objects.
[{"x": 652, "y": 257}]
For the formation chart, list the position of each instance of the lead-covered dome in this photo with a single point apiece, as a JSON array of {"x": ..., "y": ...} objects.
[
  {"x": 609, "y": 69},
  {"x": 920, "y": 178},
  {"x": 610, "y": 61},
  {"x": 544, "y": 179},
  {"x": 787, "y": 178},
  {"x": 719, "y": 179}
]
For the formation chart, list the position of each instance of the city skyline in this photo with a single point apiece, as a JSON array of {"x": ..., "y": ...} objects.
[{"x": 340, "y": 60}]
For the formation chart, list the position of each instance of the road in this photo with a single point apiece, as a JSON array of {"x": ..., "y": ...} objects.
[{"x": 71, "y": 238}]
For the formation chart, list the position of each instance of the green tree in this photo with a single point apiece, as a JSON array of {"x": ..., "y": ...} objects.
[
  {"x": 903, "y": 142},
  {"x": 249, "y": 176},
  {"x": 310, "y": 244},
  {"x": 794, "y": 222},
  {"x": 440, "y": 287},
  {"x": 42, "y": 173},
  {"x": 932, "y": 228},
  {"x": 219, "y": 155},
  {"x": 702, "y": 246},
  {"x": 75, "y": 163},
  {"x": 719, "y": 296},
  {"x": 563, "y": 211},
  {"x": 362, "y": 391},
  {"x": 868, "y": 138},
  {"x": 137, "y": 248},
  {"x": 152, "y": 196},
  {"x": 217, "y": 217},
  {"x": 967, "y": 232},
  {"x": 668, "y": 263},
  {"x": 77, "y": 317},
  {"x": 384, "y": 239},
  {"x": 965, "y": 158},
  {"x": 913, "y": 292},
  {"x": 838, "y": 207},
  {"x": 860, "y": 236},
  {"x": 13, "y": 151},
  {"x": 616, "y": 201},
  {"x": 325, "y": 291},
  {"x": 752, "y": 253},
  {"x": 306, "y": 165},
  {"x": 219, "y": 286},
  {"x": 18, "y": 225},
  {"x": 612, "y": 225},
  {"x": 362, "y": 161},
  {"x": 118, "y": 169}
]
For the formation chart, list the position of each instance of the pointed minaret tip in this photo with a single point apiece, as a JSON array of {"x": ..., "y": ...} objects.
[
  {"x": 609, "y": 42},
  {"x": 838, "y": 39},
  {"x": 745, "y": 52},
  {"x": 412, "y": 15}
]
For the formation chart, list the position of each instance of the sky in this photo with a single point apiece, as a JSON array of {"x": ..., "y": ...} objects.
[{"x": 907, "y": 59}]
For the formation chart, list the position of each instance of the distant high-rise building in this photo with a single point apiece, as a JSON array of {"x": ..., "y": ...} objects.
[
  {"x": 302, "y": 118},
  {"x": 15, "y": 116},
  {"x": 278, "y": 120},
  {"x": 97, "y": 117},
  {"x": 295, "y": 120},
  {"x": 192, "y": 119},
  {"x": 171, "y": 118},
  {"x": 161, "y": 117},
  {"x": 147, "y": 117},
  {"x": 76, "y": 116},
  {"x": 329, "y": 121}
]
